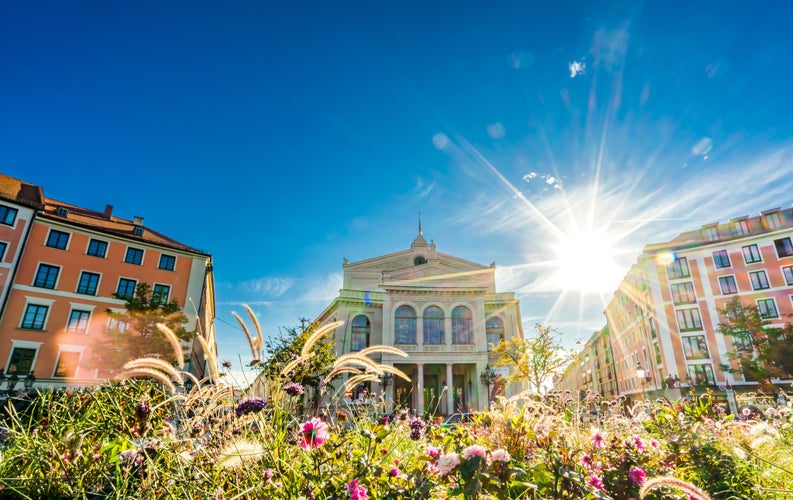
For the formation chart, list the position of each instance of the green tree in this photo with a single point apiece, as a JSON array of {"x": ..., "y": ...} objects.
[
  {"x": 135, "y": 334},
  {"x": 761, "y": 351},
  {"x": 286, "y": 347},
  {"x": 535, "y": 359}
]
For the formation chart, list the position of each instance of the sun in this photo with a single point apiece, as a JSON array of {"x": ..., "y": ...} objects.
[{"x": 586, "y": 262}]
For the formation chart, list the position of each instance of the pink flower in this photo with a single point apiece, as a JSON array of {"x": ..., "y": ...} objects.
[
  {"x": 357, "y": 490},
  {"x": 394, "y": 472},
  {"x": 595, "y": 482},
  {"x": 500, "y": 455},
  {"x": 637, "y": 475},
  {"x": 654, "y": 444},
  {"x": 447, "y": 462},
  {"x": 639, "y": 443},
  {"x": 475, "y": 451},
  {"x": 434, "y": 451},
  {"x": 586, "y": 460},
  {"x": 598, "y": 440},
  {"x": 315, "y": 432}
]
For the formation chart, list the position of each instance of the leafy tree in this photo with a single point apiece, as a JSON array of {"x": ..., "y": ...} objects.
[
  {"x": 762, "y": 352},
  {"x": 286, "y": 347},
  {"x": 535, "y": 359},
  {"x": 135, "y": 334}
]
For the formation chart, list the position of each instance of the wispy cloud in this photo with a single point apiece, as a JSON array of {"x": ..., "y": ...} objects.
[
  {"x": 577, "y": 68},
  {"x": 322, "y": 288},
  {"x": 271, "y": 287},
  {"x": 424, "y": 188}
]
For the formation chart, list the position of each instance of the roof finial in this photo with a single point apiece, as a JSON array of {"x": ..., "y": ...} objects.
[{"x": 419, "y": 222}]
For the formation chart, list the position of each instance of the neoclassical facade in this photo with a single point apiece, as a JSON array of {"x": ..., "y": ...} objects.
[{"x": 443, "y": 311}]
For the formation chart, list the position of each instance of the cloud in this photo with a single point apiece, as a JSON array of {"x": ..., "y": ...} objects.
[
  {"x": 272, "y": 287},
  {"x": 423, "y": 189},
  {"x": 323, "y": 288},
  {"x": 577, "y": 68},
  {"x": 609, "y": 47},
  {"x": 496, "y": 130}
]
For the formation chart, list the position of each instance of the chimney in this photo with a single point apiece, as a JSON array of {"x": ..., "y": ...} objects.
[
  {"x": 108, "y": 211},
  {"x": 138, "y": 221}
]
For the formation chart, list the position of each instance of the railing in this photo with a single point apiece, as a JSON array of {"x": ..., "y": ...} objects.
[{"x": 437, "y": 347}]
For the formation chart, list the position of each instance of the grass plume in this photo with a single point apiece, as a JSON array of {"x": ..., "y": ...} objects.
[
  {"x": 321, "y": 332},
  {"x": 672, "y": 482},
  {"x": 176, "y": 344}
]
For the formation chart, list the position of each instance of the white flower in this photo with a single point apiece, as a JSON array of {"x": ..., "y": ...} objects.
[
  {"x": 447, "y": 462},
  {"x": 500, "y": 455}
]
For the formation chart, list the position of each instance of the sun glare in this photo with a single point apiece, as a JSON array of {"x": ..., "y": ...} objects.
[{"x": 585, "y": 262}]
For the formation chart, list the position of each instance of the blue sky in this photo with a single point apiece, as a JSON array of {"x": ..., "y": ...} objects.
[{"x": 283, "y": 137}]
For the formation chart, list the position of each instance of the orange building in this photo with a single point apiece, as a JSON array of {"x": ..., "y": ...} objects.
[{"x": 65, "y": 264}]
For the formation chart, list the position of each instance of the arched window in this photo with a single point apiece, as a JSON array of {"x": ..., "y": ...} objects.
[
  {"x": 462, "y": 326},
  {"x": 405, "y": 325},
  {"x": 360, "y": 333},
  {"x": 419, "y": 261},
  {"x": 495, "y": 332},
  {"x": 433, "y": 325}
]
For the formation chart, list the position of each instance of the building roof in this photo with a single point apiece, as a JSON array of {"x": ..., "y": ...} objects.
[
  {"x": 721, "y": 232},
  {"x": 21, "y": 192},
  {"x": 47, "y": 208}
]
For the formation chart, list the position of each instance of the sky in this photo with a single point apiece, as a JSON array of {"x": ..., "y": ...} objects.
[{"x": 555, "y": 139}]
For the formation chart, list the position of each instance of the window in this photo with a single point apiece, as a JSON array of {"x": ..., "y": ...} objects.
[
  {"x": 67, "y": 364},
  {"x": 683, "y": 293},
  {"x": 742, "y": 342},
  {"x": 137, "y": 231},
  {"x": 721, "y": 259},
  {"x": 788, "y": 272},
  {"x": 728, "y": 285},
  {"x": 462, "y": 326},
  {"x": 772, "y": 220},
  {"x": 494, "y": 329},
  {"x": 419, "y": 261},
  {"x": 88, "y": 283},
  {"x": 767, "y": 308},
  {"x": 160, "y": 293},
  {"x": 116, "y": 325},
  {"x": 784, "y": 247},
  {"x": 46, "y": 276},
  {"x": 405, "y": 325},
  {"x": 360, "y": 333},
  {"x": 751, "y": 254},
  {"x": 21, "y": 361},
  {"x": 57, "y": 239},
  {"x": 688, "y": 319},
  {"x": 701, "y": 374},
  {"x": 3, "y": 247},
  {"x": 740, "y": 226},
  {"x": 433, "y": 325},
  {"x": 167, "y": 262},
  {"x": 78, "y": 321},
  {"x": 759, "y": 280},
  {"x": 97, "y": 248},
  {"x": 678, "y": 269},
  {"x": 126, "y": 288},
  {"x": 7, "y": 215},
  {"x": 134, "y": 256},
  {"x": 34, "y": 317},
  {"x": 695, "y": 347},
  {"x": 711, "y": 233}
]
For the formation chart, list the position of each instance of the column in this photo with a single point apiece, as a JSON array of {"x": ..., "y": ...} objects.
[
  {"x": 450, "y": 391},
  {"x": 482, "y": 393},
  {"x": 420, "y": 387}
]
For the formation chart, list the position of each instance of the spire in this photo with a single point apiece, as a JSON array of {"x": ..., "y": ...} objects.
[
  {"x": 420, "y": 224},
  {"x": 419, "y": 241}
]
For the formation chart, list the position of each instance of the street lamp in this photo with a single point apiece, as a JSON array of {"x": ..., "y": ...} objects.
[
  {"x": 386, "y": 381},
  {"x": 487, "y": 378},
  {"x": 644, "y": 377}
]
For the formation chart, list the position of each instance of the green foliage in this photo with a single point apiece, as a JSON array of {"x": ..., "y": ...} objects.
[
  {"x": 287, "y": 346},
  {"x": 535, "y": 359},
  {"x": 141, "y": 337},
  {"x": 762, "y": 352}
]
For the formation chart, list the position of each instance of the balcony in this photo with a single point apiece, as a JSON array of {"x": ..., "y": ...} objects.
[{"x": 436, "y": 347}]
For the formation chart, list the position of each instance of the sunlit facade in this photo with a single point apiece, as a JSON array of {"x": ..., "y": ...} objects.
[
  {"x": 64, "y": 272},
  {"x": 443, "y": 311},
  {"x": 665, "y": 315}
]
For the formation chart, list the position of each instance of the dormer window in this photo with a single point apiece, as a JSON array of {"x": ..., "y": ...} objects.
[{"x": 419, "y": 261}]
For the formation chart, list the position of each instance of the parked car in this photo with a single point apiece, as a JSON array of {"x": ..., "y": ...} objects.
[{"x": 456, "y": 419}]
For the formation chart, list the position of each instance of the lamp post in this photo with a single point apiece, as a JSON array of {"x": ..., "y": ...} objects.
[
  {"x": 644, "y": 377},
  {"x": 487, "y": 378},
  {"x": 29, "y": 381}
]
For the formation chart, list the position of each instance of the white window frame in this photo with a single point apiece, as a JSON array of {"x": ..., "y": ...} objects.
[
  {"x": 68, "y": 239},
  {"x": 98, "y": 283},
  {"x": 36, "y": 301},
  {"x": 734, "y": 281},
  {"x": 773, "y": 301},
  {"x": 68, "y": 348},
  {"x": 759, "y": 254},
  {"x": 75, "y": 306},
  {"x": 88, "y": 245},
  {"x": 23, "y": 344},
  {"x": 759, "y": 272},
  {"x": 142, "y": 257}
]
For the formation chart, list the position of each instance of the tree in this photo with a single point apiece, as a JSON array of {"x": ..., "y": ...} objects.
[
  {"x": 762, "y": 352},
  {"x": 286, "y": 347},
  {"x": 134, "y": 332},
  {"x": 534, "y": 360}
]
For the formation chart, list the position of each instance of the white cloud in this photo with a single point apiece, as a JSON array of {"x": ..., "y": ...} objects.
[
  {"x": 423, "y": 189},
  {"x": 577, "y": 68},
  {"x": 323, "y": 288},
  {"x": 609, "y": 48},
  {"x": 496, "y": 130},
  {"x": 272, "y": 287},
  {"x": 440, "y": 141}
]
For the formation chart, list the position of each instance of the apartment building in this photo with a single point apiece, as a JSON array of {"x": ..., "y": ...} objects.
[
  {"x": 65, "y": 263},
  {"x": 664, "y": 318}
]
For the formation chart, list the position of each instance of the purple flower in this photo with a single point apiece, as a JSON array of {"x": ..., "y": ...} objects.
[
  {"x": 637, "y": 475},
  {"x": 226, "y": 364},
  {"x": 293, "y": 389},
  {"x": 131, "y": 456},
  {"x": 250, "y": 405},
  {"x": 416, "y": 426},
  {"x": 357, "y": 490}
]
